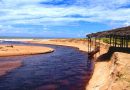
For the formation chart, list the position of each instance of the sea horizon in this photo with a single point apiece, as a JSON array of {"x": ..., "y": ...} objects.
[{"x": 11, "y": 37}]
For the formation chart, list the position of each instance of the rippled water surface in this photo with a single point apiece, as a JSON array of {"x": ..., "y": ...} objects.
[{"x": 65, "y": 69}]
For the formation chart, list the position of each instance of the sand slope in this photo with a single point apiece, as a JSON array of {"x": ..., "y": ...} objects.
[{"x": 113, "y": 74}]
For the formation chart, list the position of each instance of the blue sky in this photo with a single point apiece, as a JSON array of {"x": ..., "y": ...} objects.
[{"x": 61, "y": 18}]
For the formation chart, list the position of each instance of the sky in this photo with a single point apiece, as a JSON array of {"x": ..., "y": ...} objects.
[{"x": 61, "y": 18}]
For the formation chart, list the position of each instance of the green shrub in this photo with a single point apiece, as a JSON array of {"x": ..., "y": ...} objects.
[{"x": 106, "y": 40}]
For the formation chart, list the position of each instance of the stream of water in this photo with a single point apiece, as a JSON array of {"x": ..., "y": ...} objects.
[{"x": 66, "y": 68}]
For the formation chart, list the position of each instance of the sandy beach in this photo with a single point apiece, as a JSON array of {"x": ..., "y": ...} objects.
[{"x": 15, "y": 50}]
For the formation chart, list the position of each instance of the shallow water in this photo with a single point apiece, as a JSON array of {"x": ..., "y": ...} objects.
[{"x": 66, "y": 68}]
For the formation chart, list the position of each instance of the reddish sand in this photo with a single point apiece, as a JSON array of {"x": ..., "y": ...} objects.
[{"x": 7, "y": 66}]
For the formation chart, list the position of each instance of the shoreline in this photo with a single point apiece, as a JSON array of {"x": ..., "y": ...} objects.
[
  {"x": 18, "y": 50},
  {"x": 8, "y": 66},
  {"x": 80, "y": 45}
]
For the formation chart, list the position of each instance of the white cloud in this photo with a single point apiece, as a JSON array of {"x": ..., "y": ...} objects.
[{"x": 31, "y": 12}]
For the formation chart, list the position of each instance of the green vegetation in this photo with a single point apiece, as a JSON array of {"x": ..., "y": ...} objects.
[{"x": 107, "y": 40}]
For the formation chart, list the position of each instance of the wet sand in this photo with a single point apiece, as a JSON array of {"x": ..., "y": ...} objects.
[
  {"x": 15, "y": 50},
  {"x": 6, "y": 67}
]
